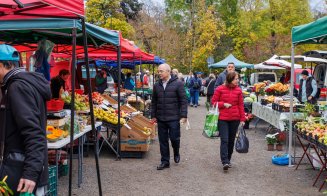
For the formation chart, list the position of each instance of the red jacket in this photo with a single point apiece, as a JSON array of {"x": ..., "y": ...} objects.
[{"x": 233, "y": 96}]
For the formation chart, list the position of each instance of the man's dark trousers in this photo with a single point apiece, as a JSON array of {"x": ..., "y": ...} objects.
[{"x": 168, "y": 130}]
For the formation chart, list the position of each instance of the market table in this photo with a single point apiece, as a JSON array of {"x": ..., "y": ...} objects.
[
  {"x": 109, "y": 136},
  {"x": 273, "y": 117},
  {"x": 319, "y": 149},
  {"x": 63, "y": 142}
]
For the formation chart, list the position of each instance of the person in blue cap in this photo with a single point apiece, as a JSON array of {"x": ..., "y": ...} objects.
[
  {"x": 23, "y": 143},
  {"x": 195, "y": 86}
]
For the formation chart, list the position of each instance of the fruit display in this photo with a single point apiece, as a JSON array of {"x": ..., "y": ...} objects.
[
  {"x": 81, "y": 102},
  {"x": 108, "y": 116},
  {"x": 56, "y": 134},
  {"x": 245, "y": 93},
  {"x": 268, "y": 100},
  {"x": 97, "y": 98},
  {"x": 315, "y": 130},
  {"x": 146, "y": 131},
  {"x": 277, "y": 89}
]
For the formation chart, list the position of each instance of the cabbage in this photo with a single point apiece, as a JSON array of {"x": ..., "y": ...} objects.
[
  {"x": 248, "y": 100},
  {"x": 254, "y": 97}
]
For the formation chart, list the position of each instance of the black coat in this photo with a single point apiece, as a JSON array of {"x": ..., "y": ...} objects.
[
  {"x": 56, "y": 84},
  {"x": 210, "y": 86},
  {"x": 171, "y": 103},
  {"x": 26, "y": 122}
]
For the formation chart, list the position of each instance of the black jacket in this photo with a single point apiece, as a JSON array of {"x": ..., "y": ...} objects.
[
  {"x": 26, "y": 121},
  {"x": 56, "y": 84},
  {"x": 210, "y": 86},
  {"x": 171, "y": 103}
]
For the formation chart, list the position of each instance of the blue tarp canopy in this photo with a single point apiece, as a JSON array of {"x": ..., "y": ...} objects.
[
  {"x": 231, "y": 58},
  {"x": 129, "y": 64}
]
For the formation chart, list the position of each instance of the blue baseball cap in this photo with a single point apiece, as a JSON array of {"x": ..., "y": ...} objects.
[{"x": 8, "y": 53}]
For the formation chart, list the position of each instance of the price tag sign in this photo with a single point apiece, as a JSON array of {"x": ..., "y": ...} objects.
[
  {"x": 106, "y": 102},
  {"x": 104, "y": 107}
]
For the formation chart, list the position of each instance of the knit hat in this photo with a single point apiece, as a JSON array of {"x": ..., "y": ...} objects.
[{"x": 8, "y": 53}]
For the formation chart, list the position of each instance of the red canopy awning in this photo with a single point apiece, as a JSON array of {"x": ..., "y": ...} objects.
[{"x": 9, "y": 10}]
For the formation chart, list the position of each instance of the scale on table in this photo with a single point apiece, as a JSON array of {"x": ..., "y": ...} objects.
[{"x": 57, "y": 114}]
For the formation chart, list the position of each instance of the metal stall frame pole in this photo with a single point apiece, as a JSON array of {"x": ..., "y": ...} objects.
[
  {"x": 135, "y": 77},
  {"x": 94, "y": 130},
  {"x": 72, "y": 109},
  {"x": 143, "y": 97},
  {"x": 152, "y": 75},
  {"x": 119, "y": 81},
  {"x": 290, "y": 135}
]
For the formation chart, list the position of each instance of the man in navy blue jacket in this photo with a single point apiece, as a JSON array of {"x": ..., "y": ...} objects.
[{"x": 169, "y": 107}]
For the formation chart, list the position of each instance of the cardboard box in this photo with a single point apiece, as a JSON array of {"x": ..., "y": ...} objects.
[
  {"x": 128, "y": 108},
  {"x": 145, "y": 122},
  {"x": 56, "y": 122},
  {"x": 111, "y": 100},
  {"x": 132, "y": 130},
  {"x": 135, "y": 145}
]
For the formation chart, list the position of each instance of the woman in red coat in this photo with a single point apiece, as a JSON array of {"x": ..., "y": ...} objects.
[{"x": 231, "y": 114}]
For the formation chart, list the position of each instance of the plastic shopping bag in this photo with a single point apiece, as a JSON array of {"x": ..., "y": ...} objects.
[
  {"x": 242, "y": 142},
  {"x": 211, "y": 122}
]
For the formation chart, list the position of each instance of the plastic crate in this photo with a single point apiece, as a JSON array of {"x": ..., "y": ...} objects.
[
  {"x": 280, "y": 160},
  {"x": 52, "y": 181},
  {"x": 63, "y": 170},
  {"x": 55, "y": 105},
  {"x": 79, "y": 91}
]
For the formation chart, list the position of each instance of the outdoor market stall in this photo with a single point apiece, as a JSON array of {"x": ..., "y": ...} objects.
[
  {"x": 311, "y": 33},
  {"x": 230, "y": 58},
  {"x": 62, "y": 31}
]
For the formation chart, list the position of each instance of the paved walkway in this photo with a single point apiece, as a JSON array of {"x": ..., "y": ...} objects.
[{"x": 200, "y": 171}]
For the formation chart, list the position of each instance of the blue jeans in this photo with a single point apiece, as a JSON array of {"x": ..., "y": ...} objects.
[
  {"x": 195, "y": 97},
  {"x": 168, "y": 130},
  {"x": 227, "y": 130}
]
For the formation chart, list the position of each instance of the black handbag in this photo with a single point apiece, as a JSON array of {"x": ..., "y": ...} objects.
[{"x": 242, "y": 142}]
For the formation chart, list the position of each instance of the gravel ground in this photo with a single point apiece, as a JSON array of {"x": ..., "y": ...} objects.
[{"x": 199, "y": 172}]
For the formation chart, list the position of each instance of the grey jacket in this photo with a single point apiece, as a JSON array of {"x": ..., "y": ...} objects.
[{"x": 221, "y": 79}]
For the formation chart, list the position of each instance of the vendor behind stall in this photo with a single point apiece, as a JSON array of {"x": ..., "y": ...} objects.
[
  {"x": 308, "y": 88},
  {"x": 101, "y": 81},
  {"x": 58, "y": 83},
  {"x": 129, "y": 82}
]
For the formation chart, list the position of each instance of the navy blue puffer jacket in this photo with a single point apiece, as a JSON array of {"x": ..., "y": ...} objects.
[{"x": 171, "y": 103}]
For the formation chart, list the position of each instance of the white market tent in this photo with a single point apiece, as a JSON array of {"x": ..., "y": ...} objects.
[
  {"x": 301, "y": 58},
  {"x": 274, "y": 63}
]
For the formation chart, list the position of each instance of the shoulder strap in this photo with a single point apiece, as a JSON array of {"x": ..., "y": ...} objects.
[{"x": 210, "y": 82}]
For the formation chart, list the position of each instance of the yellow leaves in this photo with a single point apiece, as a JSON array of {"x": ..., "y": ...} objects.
[{"x": 120, "y": 25}]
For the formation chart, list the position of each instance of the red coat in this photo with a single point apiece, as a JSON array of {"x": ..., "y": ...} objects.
[{"x": 233, "y": 96}]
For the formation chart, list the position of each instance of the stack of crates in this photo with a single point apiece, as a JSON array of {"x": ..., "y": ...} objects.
[{"x": 52, "y": 186}]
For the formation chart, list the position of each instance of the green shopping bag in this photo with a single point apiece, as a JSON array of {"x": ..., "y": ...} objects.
[
  {"x": 211, "y": 122},
  {"x": 187, "y": 92}
]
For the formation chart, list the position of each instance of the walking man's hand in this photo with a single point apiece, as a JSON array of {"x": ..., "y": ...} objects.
[
  {"x": 26, "y": 186},
  {"x": 183, "y": 120}
]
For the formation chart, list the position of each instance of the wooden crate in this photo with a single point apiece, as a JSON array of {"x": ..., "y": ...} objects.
[{"x": 145, "y": 122}]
